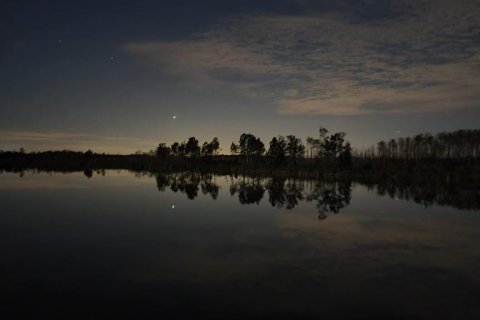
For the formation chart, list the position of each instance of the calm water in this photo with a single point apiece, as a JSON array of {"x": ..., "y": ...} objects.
[{"x": 122, "y": 245}]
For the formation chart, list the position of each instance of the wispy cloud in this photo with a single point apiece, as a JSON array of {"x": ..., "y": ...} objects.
[{"x": 424, "y": 56}]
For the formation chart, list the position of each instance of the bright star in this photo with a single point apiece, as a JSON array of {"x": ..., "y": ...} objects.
[
  {"x": 174, "y": 117},
  {"x": 173, "y": 206}
]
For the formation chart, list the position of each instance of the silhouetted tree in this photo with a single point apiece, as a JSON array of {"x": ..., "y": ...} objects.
[
  {"x": 382, "y": 149},
  {"x": 206, "y": 149},
  {"x": 162, "y": 151},
  {"x": 334, "y": 145},
  {"x": 210, "y": 148},
  {"x": 277, "y": 152},
  {"x": 314, "y": 146},
  {"x": 392, "y": 148},
  {"x": 215, "y": 145},
  {"x": 346, "y": 155},
  {"x": 234, "y": 149},
  {"x": 250, "y": 146},
  {"x": 175, "y": 149},
  {"x": 321, "y": 141},
  {"x": 294, "y": 149},
  {"x": 182, "y": 149},
  {"x": 192, "y": 148}
]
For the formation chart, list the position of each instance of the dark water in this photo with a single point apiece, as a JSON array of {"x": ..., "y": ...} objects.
[{"x": 182, "y": 246}]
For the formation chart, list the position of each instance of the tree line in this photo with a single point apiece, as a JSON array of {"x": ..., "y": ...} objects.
[
  {"x": 452, "y": 153},
  {"x": 460, "y": 144},
  {"x": 191, "y": 148},
  {"x": 282, "y": 149}
]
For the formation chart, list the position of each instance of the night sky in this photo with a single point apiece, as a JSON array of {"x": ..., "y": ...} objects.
[{"x": 110, "y": 75}]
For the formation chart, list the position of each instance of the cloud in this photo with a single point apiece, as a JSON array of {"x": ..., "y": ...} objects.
[
  {"x": 406, "y": 56},
  {"x": 202, "y": 56}
]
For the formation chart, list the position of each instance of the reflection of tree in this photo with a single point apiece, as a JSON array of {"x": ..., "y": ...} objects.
[
  {"x": 101, "y": 172},
  {"x": 162, "y": 181},
  {"x": 441, "y": 191},
  {"x": 331, "y": 196},
  {"x": 191, "y": 189},
  {"x": 88, "y": 173},
  {"x": 284, "y": 193},
  {"x": 209, "y": 187},
  {"x": 294, "y": 192},
  {"x": 188, "y": 183},
  {"x": 276, "y": 192},
  {"x": 249, "y": 191},
  {"x": 287, "y": 193}
]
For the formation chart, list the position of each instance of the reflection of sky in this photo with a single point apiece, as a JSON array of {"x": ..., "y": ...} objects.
[
  {"x": 119, "y": 230},
  {"x": 110, "y": 75}
]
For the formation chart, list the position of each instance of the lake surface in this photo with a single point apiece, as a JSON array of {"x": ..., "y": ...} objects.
[{"x": 125, "y": 245}]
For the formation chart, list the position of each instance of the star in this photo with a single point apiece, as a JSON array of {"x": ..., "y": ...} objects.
[
  {"x": 174, "y": 117},
  {"x": 173, "y": 206},
  {"x": 112, "y": 57},
  {"x": 59, "y": 40}
]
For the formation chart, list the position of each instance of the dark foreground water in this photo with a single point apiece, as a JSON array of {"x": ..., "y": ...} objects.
[{"x": 181, "y": 246}]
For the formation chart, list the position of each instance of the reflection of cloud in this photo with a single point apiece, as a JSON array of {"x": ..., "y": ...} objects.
[
  {"x": 388, "y": 241},
  {"x": 77, "y": 141},
  {"x": 72, "y": 180},
  {"x": 424, "y": 57}
]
